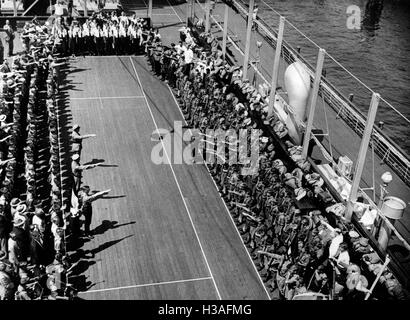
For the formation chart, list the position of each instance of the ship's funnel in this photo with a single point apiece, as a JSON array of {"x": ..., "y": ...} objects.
[{"x": 297, "y": 85}]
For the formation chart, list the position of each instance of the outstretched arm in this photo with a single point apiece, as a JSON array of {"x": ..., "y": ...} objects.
[
  {"x": 2, "y": 163},
  {"x": 87, "y": 136},
  {"x": 88, "y": 166},
  {"x": 6, "y": 125},
  {"x": 4, "y": 139},
  {"x": 97, "y": 195}
]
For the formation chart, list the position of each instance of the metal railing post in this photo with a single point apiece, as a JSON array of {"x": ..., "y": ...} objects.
[
  {"x": 248, "y": 39},
  {"x": 313, "y": 101},
  {"x": 276, "y": 64},
  {"x": 225, "y": 34},
  {"x": 188, "y": 11},
  {"x": 207, "y": 14},
  {"x": 150, "y": 11},
  {"x": 85, "y": 9},
  {"x": 361, "y": 158},
  {"x": 14, "y": 8},
  {"x": 193, "y": 10}
]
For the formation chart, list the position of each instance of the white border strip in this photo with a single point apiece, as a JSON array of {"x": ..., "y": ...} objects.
[
  {"x": 146, "y": 285},
  {"x": 177, "y": 183}
]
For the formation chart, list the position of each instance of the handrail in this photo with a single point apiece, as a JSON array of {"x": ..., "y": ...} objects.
[
  {"x": 29, "y": 8},
  {"x": 397, "y": 159},
  {"x": 295, "y": 56}
]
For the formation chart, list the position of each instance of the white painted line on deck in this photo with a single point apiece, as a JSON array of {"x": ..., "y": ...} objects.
[
  {"x": 163, "y": 14},
  {"x": 177, "y": 183},
  {"x": 175, "y": 11},
  {"x": 96, "y": 98},
  {"x": 76, "y": 58},
  {"x": 146, "y": 285}
]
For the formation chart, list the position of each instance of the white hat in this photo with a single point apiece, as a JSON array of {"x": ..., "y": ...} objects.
[
  {"x": 21, "y": 208},
  {"x": 19, "y": 221},
  {"x": 15, "y": 202}
]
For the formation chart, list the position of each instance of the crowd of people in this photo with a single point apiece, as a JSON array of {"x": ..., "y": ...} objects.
[
  {"x": 31, "y": 217},
  {"x": 290, "y": 223},
  {"x": 102, "y": 34},
  {"x": 36, "y": 224}
]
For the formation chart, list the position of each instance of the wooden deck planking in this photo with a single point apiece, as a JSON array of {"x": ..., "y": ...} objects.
[
  {"x": 105, "y": 70},
  {"x": 163, "y": 246},
  {"x": 214, "y": 225},
  {"x": 196, "y": 290}
]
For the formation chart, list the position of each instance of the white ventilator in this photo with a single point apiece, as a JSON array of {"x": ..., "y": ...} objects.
[{"x": 297, "y": 85}]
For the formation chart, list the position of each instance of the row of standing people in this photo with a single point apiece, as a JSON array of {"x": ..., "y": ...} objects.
[
  {"x": 296, "y": 251},
  {"x": 100, "y": 35},
  {"x": 31, "y": 217}
]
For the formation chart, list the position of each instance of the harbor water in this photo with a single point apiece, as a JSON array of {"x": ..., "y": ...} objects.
[{"x": 378, "y": 53}]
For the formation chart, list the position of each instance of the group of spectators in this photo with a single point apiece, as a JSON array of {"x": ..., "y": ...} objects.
[
  {"x": 34, "y": 220},
  {"x": 31, "y": 217},
  {"x": 101, "y": 34},
  {"x": 288, "y": 220},
  {"x": 290, "y": 223}
]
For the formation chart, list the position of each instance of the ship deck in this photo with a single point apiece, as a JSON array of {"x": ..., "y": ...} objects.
[{"x": 163, "y": 232}]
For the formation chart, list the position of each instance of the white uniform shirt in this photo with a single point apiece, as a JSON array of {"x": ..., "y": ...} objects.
[
  {"x": 114, "y": 32},
  {"x": 86, "y": 31},
  {"x": 188, "y": 55},
  {"x": 39, "y": 223},
  {"x": 343, "y": 258},
  {"x": 334, "y": 246}
]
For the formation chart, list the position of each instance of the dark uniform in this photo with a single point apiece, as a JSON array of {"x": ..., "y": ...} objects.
[{"x": 9, "y": 38}]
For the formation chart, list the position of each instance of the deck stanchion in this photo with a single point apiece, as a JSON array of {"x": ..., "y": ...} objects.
[
  {"x": 225, "y": 34},
  {"x": 361, "y": 158},
  {"x": 248, "y": 39},
  {"x": 193, "y": 10},
  {"x": 85, "y": 9},
  {"x": 276, "y": 63},
  {"x": 14, "y": 8},
  {"x": 207, "y": 14},
  {"x": 188, "y": 11},
  {"x": 150, "y": 11},
  {"x": 313, "y": 100}
]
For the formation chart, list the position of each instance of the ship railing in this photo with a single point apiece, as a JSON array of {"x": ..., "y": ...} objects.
[
  {"x": 390, "y": 153},
  {"x": 352, "y": 117}
]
